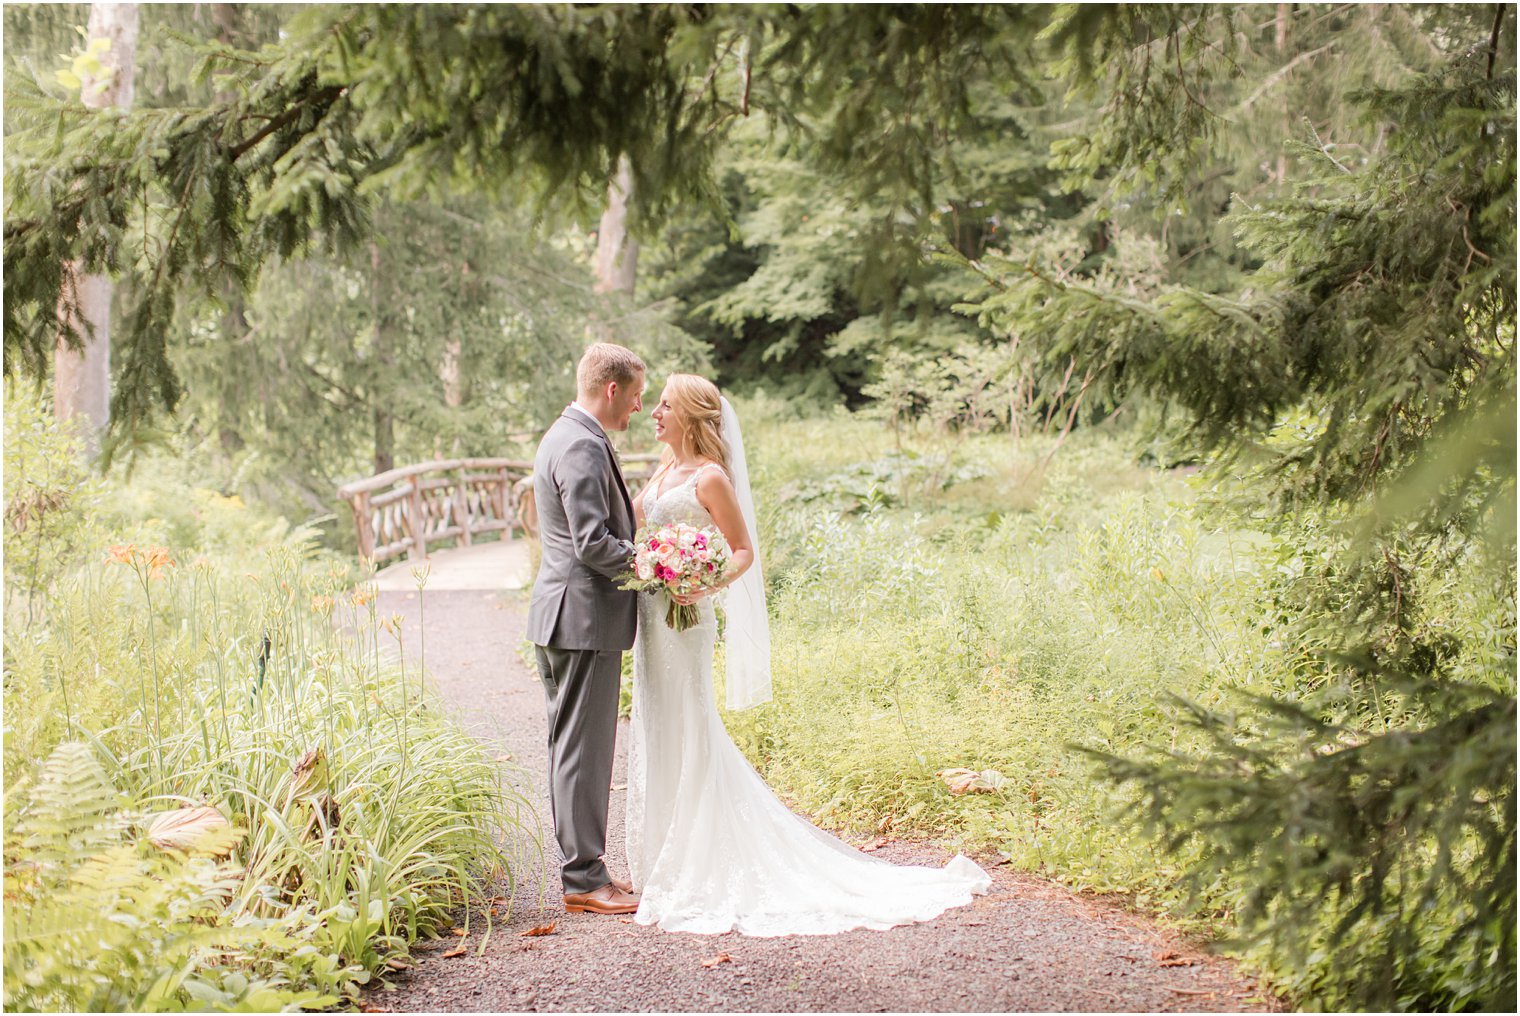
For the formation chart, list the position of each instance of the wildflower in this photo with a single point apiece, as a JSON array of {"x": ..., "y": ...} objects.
[
  {"x": 121, "y": 553},
  {"x": 157, "y": 559}
]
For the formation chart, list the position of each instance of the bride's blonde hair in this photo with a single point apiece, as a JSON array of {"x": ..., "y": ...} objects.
[{"x": 696, "y": 403}]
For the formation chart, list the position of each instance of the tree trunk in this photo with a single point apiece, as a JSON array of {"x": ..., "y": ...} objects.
[
  {"x": 448, "y": 371},
  {"x": 234, "y": 323},
  {"x": 82, "y": 378},
  {"x": 1284, "y": 15},
  {"x": 385, "y": 422},
  {"x": 385, "y": 441},
  {"x": 453, "y": 384},
  {"x": 229, "y": 27},
  {"x": 617, "y": 253}
]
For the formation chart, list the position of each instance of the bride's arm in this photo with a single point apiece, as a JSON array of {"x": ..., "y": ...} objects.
[{"x": 716, "y": 493}]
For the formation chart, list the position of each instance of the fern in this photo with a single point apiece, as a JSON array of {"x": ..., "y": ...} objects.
[
  {"x": 96, "y": 921},
  {"x": 72, "y": 811}
]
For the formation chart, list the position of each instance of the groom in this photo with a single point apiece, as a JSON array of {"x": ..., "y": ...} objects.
[{"x": 579, "y": 620}]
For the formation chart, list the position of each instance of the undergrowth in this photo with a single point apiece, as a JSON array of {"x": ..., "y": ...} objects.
[
  {"x": 180, "y": 649},
  {"x": 954, "y": 604}
]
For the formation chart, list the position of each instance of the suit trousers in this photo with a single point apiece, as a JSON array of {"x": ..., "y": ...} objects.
[{"x": 581, "y": 689}]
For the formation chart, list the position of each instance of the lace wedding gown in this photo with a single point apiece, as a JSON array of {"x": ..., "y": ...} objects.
[{"x": 710, "y": 848}]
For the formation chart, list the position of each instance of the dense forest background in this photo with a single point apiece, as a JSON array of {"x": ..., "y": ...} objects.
[
  {"x": 797, "y": 264},
  {"x": 1013, "y": 255}
]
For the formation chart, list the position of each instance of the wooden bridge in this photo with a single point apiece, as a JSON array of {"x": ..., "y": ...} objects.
[{"x": 446, "y": 505}]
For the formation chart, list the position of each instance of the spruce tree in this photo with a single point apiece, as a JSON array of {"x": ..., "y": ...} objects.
[
  {"x": 1365, "y": 378},
  {"x": 415, "y": 100}
]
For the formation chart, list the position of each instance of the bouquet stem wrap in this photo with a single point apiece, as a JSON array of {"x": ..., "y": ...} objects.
[{"x": 682, "y": 616}]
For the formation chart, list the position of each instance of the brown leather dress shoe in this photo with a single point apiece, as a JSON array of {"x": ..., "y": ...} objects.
[
  {"x": 609, "y": 899},
  {"x": 623, "y": 885}
]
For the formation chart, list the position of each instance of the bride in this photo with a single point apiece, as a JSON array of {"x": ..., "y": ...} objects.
[{"x": 709, "y": 847}]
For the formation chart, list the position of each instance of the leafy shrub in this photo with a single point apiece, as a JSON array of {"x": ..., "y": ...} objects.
[
  {"x": 240, "y": 670},
  {"x": 97, "y": 921},
  {"x": 51, "y": 502},
  {"x": 1023, "y": 620}
]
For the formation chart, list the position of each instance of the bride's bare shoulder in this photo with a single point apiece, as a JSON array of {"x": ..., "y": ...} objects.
[{"x": 712, "y": 476}]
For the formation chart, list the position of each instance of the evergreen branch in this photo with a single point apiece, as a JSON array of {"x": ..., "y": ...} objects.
[
  {"x": 1324, "y": 149},
  {"x": 322, "y": 97},
  {"x": 1182, "y": 75},
  {"x": 1279, "y": 74}
]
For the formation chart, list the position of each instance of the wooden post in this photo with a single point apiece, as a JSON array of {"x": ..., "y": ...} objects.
[
  {"x": 416, "y": 526},
  {"x": 527, "y": 508},
  {"x": 364, "y": 525},
  {"x": 501, "y": 497},
  {"x": 462, "y": 507}
]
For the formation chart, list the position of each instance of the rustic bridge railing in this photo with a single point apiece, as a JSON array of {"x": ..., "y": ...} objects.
[{"x": 406, "y": 510}]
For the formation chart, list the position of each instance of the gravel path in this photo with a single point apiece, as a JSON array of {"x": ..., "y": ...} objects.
[{"x": 1028, "y": 945}]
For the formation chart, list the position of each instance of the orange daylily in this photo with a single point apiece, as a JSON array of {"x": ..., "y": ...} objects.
[
  {"x": 157, "y": 559},
  {"x": 120, "y": 553}
]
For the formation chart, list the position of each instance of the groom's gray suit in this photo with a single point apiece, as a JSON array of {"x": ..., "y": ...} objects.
[{"x": 581, "y": 623}]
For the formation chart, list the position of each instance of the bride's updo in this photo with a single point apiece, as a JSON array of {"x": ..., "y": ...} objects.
[{"x": 695, "y": 402}]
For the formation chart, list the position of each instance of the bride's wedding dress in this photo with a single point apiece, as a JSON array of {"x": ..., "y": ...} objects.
[{"x": 710, "y": 848}]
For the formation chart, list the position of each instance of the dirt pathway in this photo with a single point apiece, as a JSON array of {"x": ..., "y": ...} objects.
[{"x": 1028, "y": 945}]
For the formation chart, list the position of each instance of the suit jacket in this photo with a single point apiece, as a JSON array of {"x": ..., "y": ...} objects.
[{"x": 585, "y": 524}]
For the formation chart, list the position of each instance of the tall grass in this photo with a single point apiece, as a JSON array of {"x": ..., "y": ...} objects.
[
  {"x": 931, "y": 629},
  {"x": 196, "y": 653},
  {"x": 953, "y": 605}
]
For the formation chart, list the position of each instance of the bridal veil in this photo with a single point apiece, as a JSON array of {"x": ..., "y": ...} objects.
[{"x": 746, "y": 626}]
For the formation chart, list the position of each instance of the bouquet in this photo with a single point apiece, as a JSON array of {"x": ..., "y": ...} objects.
[{"x": 678, "y": 559}]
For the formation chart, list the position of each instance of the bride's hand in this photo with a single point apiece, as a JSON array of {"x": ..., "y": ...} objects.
[{"x": 688, "y": 600}]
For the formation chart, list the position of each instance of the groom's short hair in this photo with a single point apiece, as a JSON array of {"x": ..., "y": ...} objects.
[{"x": 605, "y": 362}]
